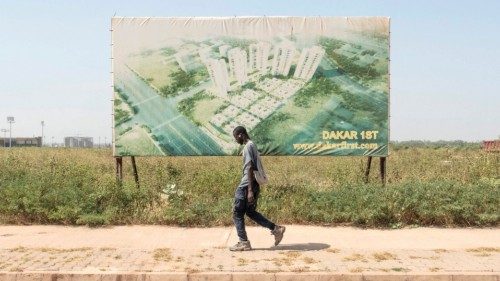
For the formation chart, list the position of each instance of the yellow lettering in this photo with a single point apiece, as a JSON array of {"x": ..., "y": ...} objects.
[
  {"x": 336, "y": 135},
  {"x": 326, "y": 135},
  {"x": 354, "y": 135}
]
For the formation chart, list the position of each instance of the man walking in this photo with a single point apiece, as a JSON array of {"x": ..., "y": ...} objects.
[{"x": 247, "y": 193}]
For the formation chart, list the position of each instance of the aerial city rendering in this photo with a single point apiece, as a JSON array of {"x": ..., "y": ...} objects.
[{"x": 298, "y": 94}]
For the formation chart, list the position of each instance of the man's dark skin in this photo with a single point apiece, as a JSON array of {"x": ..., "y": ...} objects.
[{"x": 243, "y": 139}]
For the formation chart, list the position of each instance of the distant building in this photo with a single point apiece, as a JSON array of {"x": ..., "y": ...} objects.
[
  {"x": 223, "y": 50},
  {"x": 259, "y": 56},
  {"x": 78, "y": 142},
  {"x": 217, "y": 69},
  {"x": 186, "y": 61},
  {"x": 283, "y": 56},
  {"x": 238, "y": 65},
  {"x": 205, "y": 54},
  {"x": 491, "y": 146},
  {"x": 309, "y": 61},
  {"x": 22, "y": 142}
]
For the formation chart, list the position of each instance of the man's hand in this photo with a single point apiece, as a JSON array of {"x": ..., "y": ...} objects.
[{"x": 250, "y": 197}]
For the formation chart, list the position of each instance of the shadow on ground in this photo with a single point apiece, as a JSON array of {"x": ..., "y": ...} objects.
[{"x": 297, "y": 247}]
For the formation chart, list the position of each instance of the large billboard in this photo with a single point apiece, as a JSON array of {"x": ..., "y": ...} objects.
[{"x": 300, "y": 85}]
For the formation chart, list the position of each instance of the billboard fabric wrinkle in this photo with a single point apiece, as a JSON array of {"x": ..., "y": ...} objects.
[{"x": 299, "y": 85}]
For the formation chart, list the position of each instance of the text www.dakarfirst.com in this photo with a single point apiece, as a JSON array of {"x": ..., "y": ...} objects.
[{"x": 327, "y": 145}]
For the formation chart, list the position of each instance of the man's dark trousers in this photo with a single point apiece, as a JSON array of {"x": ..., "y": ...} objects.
[{"x": 241, "y": 207}]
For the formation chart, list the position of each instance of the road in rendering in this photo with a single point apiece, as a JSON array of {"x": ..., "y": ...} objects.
[{"x": 174, "y": 131}]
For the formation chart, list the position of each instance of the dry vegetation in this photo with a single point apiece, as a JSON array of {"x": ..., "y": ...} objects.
[{"x": 426, "y": 186}]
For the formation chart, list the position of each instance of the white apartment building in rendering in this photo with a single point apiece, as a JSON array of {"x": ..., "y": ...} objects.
[
  {"x": 238, "y": 65},
  {"x": 185, "y": 60},
  {"x": 283, "y": 56},
  {"x": 223, "y": 50},
  {"x": 217, "y": 69},
  {"x": 309, "y": 61},
  {"x": 259, "y": 56},
  {"x": 205, "y": 53}
]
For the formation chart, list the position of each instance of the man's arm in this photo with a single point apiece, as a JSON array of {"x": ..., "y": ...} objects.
[
  {"x": 251, "y": 153},
  {"x": 250, "y": 196}
]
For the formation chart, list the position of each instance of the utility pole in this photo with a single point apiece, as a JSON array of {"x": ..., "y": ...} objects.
[
  {"x": 43, "y": 123},
  {"x": 10, "y": 120}
]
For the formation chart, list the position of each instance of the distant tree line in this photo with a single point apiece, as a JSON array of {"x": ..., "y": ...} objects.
[
  {"x": 434, "y": 144},
  {"x": 167, "y": 51},
  {"x": 238, "y": 43}
]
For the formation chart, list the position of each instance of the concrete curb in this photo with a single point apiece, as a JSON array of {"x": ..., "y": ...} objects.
[{"x": 246, "y": 276}]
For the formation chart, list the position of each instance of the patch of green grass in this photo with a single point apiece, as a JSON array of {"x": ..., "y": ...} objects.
[
  {"x": 400, "y": 269},
  {"x": 382, "y": 256},
  {"x": 136, "y": 139},
  {"x": 355, "y": 257},
  {"x": 187, "y": 106},
  {"x": 162, "y": 254}
]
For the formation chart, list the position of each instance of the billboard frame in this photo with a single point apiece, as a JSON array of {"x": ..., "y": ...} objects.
[{"x": 119, "y": 159}]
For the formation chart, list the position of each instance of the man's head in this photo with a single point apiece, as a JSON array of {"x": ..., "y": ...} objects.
[{"x": 240, "y": 134}]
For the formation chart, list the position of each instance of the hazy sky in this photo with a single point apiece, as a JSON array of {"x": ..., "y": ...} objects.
[{"x": 445, "y": 61}]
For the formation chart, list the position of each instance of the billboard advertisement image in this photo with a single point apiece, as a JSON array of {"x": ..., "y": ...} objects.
[{"x": 299, "y": 85}]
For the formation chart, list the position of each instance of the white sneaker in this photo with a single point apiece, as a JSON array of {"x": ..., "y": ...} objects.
[{"x": 241, "y": 246}]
